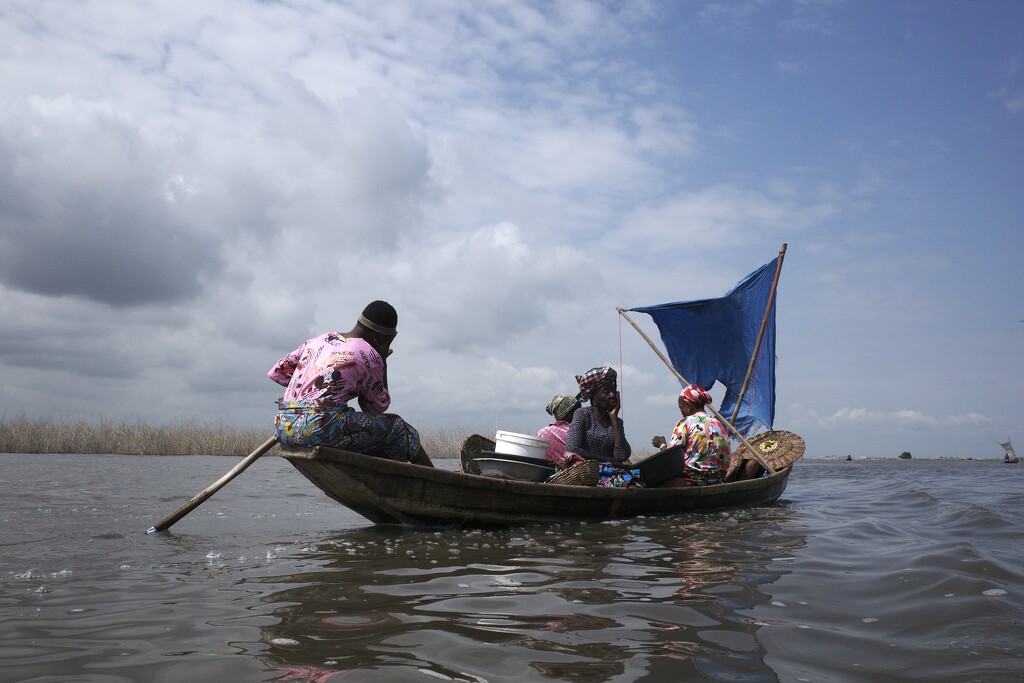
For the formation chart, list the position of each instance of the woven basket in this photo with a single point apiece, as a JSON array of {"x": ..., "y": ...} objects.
[
  {"x": 471, "y": 448},
  {"x": 581, "y": 474},
  {"x": 778, "y": 448}
]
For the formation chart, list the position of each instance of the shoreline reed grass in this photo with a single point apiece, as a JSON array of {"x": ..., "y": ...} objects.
[{"x": 135, "y": 437}]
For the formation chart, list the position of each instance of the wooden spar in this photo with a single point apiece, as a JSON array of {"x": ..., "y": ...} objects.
[
  {"x": 760, "y": 334},
  {"x": 682, "y": 379},
  {"x": 200, "y": 497}
]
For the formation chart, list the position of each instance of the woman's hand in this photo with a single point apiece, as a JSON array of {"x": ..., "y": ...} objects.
[{"x": 658, "y": 442}]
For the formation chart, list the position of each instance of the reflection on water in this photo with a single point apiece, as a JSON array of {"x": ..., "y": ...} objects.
[
  {"x": 582, "y": 602},
  {"x": 867, "y": 571}
]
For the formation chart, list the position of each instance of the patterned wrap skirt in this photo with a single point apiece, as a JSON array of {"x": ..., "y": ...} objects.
[
  {"x": 301, "y": 424},
  {"x": 615, "y": 476}
]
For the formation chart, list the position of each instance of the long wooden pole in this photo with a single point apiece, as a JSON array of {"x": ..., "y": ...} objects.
[
  {"x": 200, "y": 497},
  {"x": 682, "y": 379},
  {"x": 760, "y": 334}
]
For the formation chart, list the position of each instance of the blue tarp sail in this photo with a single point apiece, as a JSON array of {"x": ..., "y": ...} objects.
[{"x": 714, "y": 339}]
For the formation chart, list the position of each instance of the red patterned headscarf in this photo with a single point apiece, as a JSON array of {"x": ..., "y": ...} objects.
[
  {"x": 592, "y": 380},
  {"x": 695, "y": 394}
]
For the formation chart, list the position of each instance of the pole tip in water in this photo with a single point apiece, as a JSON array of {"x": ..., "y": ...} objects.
[{"x": 151, "y": 530}]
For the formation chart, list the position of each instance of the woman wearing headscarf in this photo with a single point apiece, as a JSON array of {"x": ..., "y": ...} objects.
[
  {"x": 707, "y": 443},
  {"x": 562, "y": 408},
  {"x": 597, "y": 432}
]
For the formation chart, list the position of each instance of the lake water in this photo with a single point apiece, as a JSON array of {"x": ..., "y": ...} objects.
[{"x": 863, "y": 571}]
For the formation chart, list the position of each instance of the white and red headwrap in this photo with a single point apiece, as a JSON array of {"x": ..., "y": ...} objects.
[{"x": 695, "y": 394}]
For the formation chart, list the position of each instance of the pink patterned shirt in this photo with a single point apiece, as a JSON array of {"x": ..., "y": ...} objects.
[
  {"x": 330, "y": 370},
  {"x": 555, "y": 433}
]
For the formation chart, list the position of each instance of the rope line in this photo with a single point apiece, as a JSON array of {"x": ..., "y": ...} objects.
[{"x": 622, "y": 378}]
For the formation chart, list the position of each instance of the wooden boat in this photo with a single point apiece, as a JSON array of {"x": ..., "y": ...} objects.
[
  {"x": 1009, "y": 455},
  {"x": 389, "y": 492}
]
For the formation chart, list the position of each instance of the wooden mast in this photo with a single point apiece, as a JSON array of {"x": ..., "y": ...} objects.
[{"x": 760, "y": 334}]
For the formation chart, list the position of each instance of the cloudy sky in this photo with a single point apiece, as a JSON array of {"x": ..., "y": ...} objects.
[{"x": 189, "y": 190}]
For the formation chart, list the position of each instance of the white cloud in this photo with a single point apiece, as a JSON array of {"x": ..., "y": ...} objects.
[
  {"x": 790, "y": 67},
  {"x": 847, "y": 414},
  {"x": 719, "y": 217},
  {"x": 488, "y": 287},
  {"x": 82, "y": 181},
  {"x": 189, "y": 190},
  {"x": 969, "y": 420},
  {"x": 905, "y": 418},
  {"x": 1015, "y": 103}
]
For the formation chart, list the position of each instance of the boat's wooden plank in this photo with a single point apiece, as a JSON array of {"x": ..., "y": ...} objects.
[{"x": 385, "y": 491}]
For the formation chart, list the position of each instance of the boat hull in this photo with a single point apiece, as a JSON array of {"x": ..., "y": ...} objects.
[{"x": 389, "y": 492}]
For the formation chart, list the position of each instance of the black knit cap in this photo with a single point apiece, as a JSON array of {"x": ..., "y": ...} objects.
[{"x": 382, "y": 314}]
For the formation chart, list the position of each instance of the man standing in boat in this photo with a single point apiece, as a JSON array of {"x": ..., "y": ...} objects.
[{"x": 326, "y": 372}]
